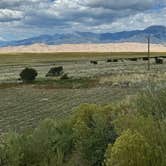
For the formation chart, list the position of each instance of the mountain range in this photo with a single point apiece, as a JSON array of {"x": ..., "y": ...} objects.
[{"x": 157, "y": 33}]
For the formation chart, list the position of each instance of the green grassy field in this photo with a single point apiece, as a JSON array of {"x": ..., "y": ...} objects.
[
  {"x": 24, "y": 106},
  {"x": 49, "y": 57}
]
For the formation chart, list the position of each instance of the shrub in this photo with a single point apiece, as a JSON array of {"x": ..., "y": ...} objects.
[
  {"x": 148, "y": 118},
  {"x": 55, "y": 71},
  {"x": 130, "y": 149},
  {"x": 93, "y": 130},
  {"x": 50, "y": 144},
  {"x": 28, "y": 74},
  {"x": 153, "y": 131}
]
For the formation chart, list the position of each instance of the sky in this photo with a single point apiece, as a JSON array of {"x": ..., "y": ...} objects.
[{"x": 21, "y": 19}]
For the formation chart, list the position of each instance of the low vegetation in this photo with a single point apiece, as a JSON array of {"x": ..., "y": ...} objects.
[{"x": 128, "y": 133}]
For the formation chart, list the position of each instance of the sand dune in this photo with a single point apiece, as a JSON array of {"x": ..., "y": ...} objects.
[{"x": 111, "y": 47}]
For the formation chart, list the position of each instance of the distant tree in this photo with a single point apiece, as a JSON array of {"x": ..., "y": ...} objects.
[{"x": 28, "y": 74}]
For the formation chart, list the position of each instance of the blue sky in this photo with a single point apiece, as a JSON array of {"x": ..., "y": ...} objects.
[{"x": 21, "y": 19}]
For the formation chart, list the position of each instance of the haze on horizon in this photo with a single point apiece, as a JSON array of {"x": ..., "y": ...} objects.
[{"x": 21, "y": 19}]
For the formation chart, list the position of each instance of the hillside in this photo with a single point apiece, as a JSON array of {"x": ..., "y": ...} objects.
[{"x": 158, "y": 36}]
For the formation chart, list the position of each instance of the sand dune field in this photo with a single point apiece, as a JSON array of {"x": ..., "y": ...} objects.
[{"x": 111, "y": 47}]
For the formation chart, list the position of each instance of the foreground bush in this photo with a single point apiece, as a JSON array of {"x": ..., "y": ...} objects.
[
  {"x": 28, "y": 74},
  {"x": 48, "y": 145},
  {"x": 149, "y": 121},
  {"x": 130, "y": 149},
  {"x": 93, "y": 130}
]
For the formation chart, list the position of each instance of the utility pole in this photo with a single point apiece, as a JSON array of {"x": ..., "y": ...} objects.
[{"x": 149, "y": 52}]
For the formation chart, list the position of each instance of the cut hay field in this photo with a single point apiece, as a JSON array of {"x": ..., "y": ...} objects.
[{"x": 24, "y": 106}]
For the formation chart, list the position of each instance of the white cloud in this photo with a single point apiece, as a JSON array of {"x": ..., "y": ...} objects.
[
  {"x": 16, "y": 3},
  {"x": 30, "y": 17},
  {"x": 10, "y": 15}
]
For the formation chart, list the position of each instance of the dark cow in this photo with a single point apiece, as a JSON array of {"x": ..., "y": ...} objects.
[
  {"x": 115, "y": 60},
  {"x": 145, "y": 58},
  {"x": 163, "y": 57},
  {"x": 55, "y": 71},
  {"x": 94, "y": 62},
  {"x": 159, "y": 60},
  {"x": 133, "y": 59},
  {"x": 109, "y": 60}
]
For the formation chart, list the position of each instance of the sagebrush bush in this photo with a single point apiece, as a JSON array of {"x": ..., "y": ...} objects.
[
  {"x": 28, "y": 74},
  {"x": 150, "y": 121},
  {"x": 93, "y": 130},
  {"x": 130, "y": 149},
  {"x": 50, "y": 144}
]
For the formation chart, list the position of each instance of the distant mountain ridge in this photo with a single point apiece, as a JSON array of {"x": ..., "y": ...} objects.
[{"x": 157, "y": 32}]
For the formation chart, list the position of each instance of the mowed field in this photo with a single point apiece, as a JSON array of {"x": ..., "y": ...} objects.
[{"x": 24, "y": 106}]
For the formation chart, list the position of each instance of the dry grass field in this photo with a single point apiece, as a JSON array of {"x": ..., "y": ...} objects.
[{"x": 23, "y": 106}]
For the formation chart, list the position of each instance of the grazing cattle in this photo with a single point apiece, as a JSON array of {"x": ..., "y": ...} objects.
[
  {"x": 55, "y": 71},
  {"x": 126, "y": 59},
  {"x": 115, "y": 60},
  {"x": 133, "y": 59},
  {"x": 163, "y": 57},
  {"x": 109, "y": 60},
  {"x": 159, "y": 61},
  {"x": 145, "y": 58},
  {"x": 94, "y": 62}
]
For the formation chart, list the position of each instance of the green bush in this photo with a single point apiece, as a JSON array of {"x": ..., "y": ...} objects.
[
  {"x": 28, "y": 74},
  {"x": 50, "y": 144},
  {"x": 93, "y": 130},
  {"x": 148, "y": 119},
  {"x": 130, "y": 149}
]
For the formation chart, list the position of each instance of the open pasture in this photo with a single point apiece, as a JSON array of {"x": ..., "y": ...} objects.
[
  {"x": 23, "y": 106},
  {"x": 75, "y": 64}
]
